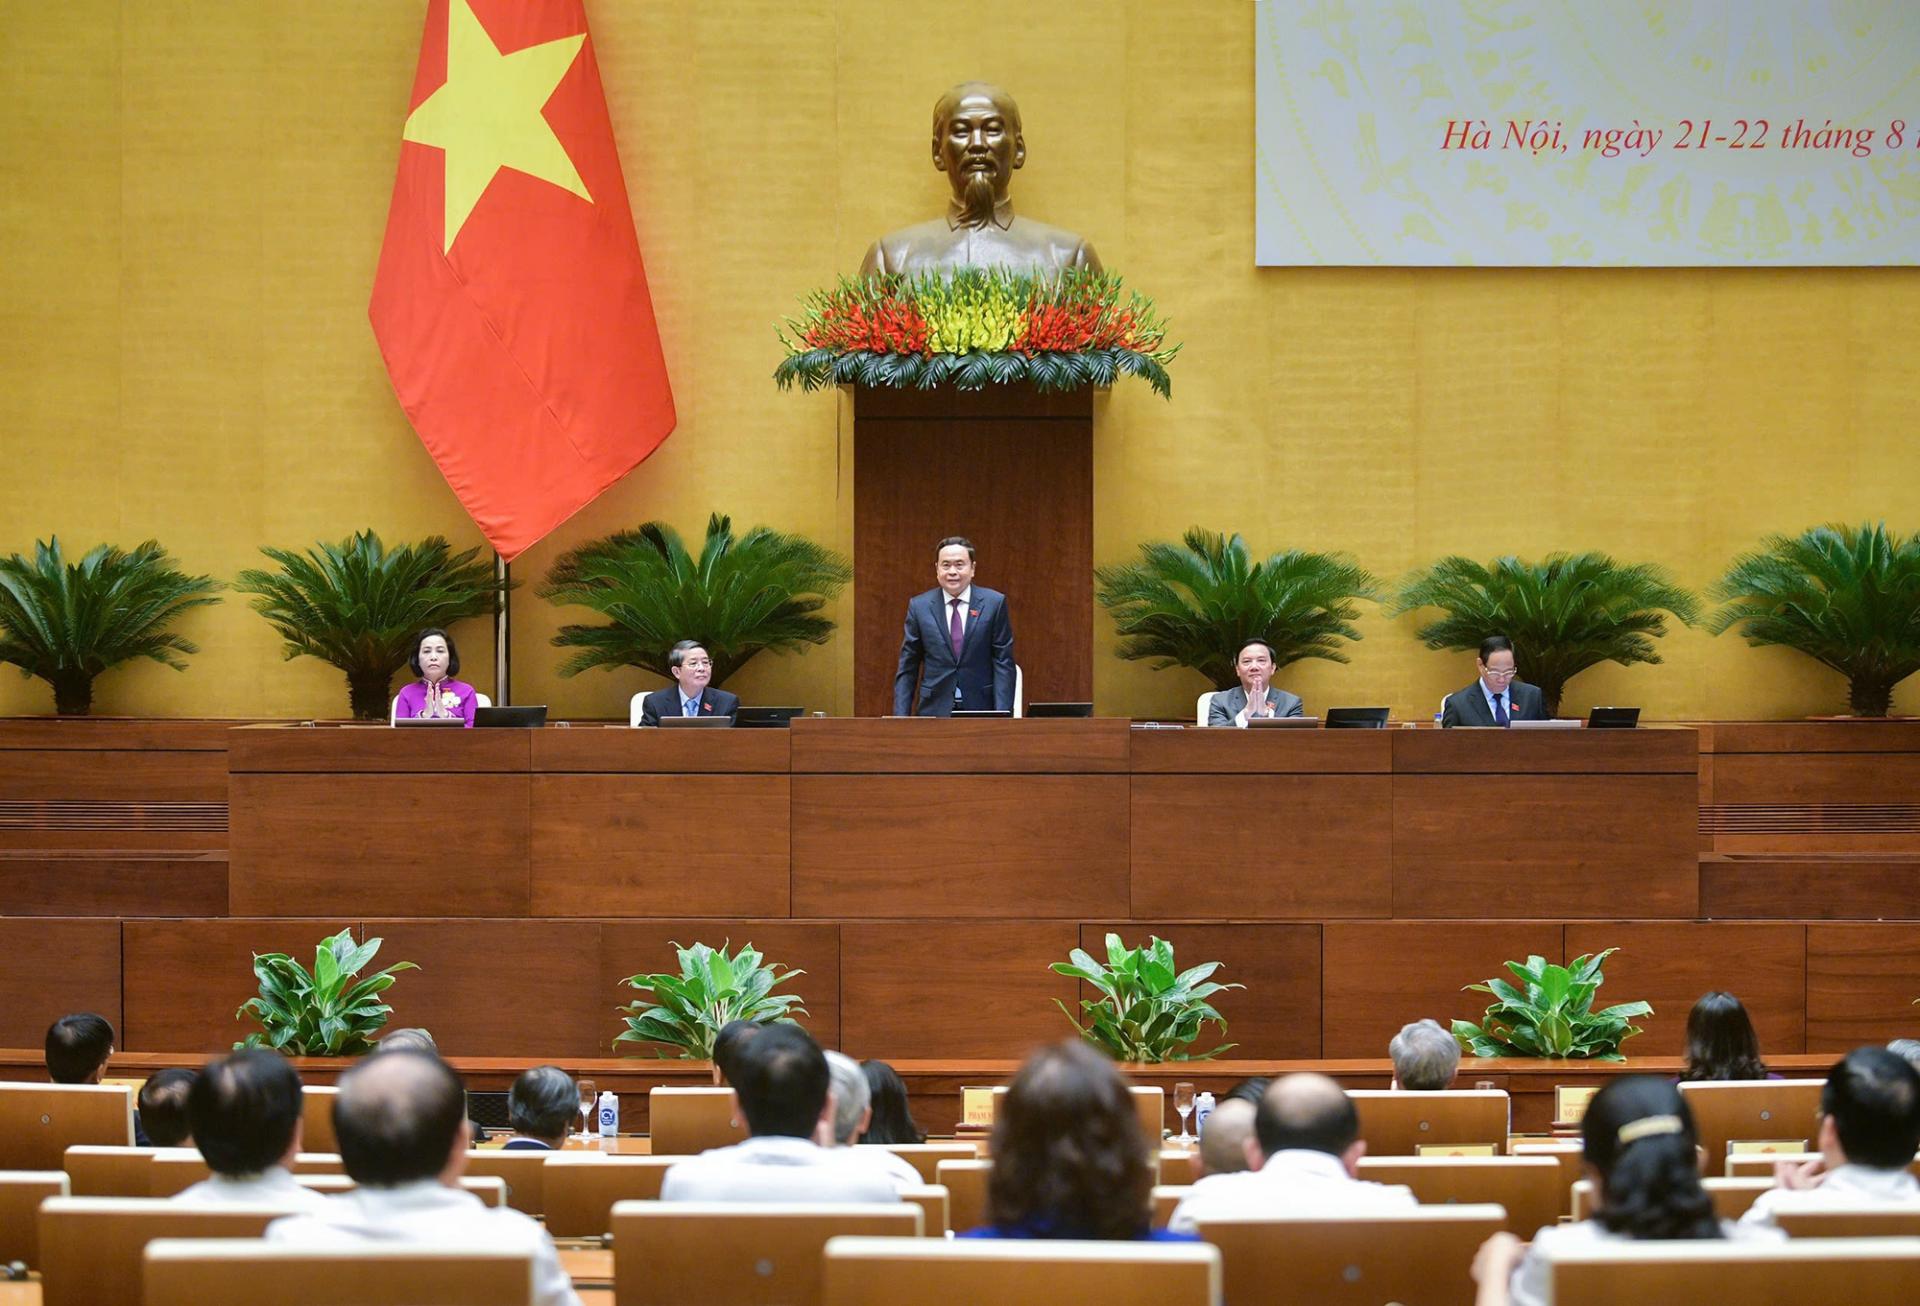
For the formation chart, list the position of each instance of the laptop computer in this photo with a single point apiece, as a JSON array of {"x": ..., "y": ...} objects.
[
  {"x": 766, "y": 718},
  {"x": 721, "y": 722},
  {"x": 1283, "y": 723},
  {"x": 1555, "y": 723},
  {"x": 434, "y": 720},
  {"x": 1613, "y": 718},
  {"x": 532, "y": 716},
  {"x": 1059, "y": 709},
  {"x": 984, "y": 715},
  {"x": 1358, "y": 718}
]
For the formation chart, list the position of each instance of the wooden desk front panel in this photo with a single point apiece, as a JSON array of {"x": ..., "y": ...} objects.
[
  {"x": 659, "y": 845},
  {"x": 1861, "y": 982},
  {"x": 1378, "y": 977},
  {"x": 618, "y": 749},
  {"x": 377, "y": 748},
  {"x": 388, "y": 844},
  {"x": 1536, "y": 752},
  {"x": 50, "y": 968},
  {"x": 1262, "y": 752},
  {"x": 902, "y": 745},
  {"x": 985, "y": 985},
  {"x": 1844, "y": 779},
  {"x": 1670, "y": 964},
  {"x": 960, "y": 845},
  {"x": 1277, "y": 1014},
  {"x": 185, "y": 979},
  {"x": 646, "y": 948}
]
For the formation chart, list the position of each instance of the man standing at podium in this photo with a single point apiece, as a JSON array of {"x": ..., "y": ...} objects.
[
  {"x": 959, "y": 643},
  {"x": 1496, "y": 698}
]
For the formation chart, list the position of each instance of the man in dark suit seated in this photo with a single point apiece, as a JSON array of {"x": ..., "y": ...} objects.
[
  {"x": 690, "y": 695},
  {"x": 1253, "y": 696},
  {"x": 1496, "y": 698},
  {"x": 542, "y": 1103},
  {"x": 959, "y": 643}
]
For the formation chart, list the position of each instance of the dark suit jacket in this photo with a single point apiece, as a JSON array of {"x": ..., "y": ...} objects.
[
  {"x": 525, "y": 1144},
  {"x": 666, "y": 702},
  {"x": 1468, "y": 707},
  {"x": 983, "y": 673}
]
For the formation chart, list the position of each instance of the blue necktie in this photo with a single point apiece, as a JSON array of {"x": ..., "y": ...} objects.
[
  {"x": 1500, "y": 717},
  {"x": 691, "y": 707}
]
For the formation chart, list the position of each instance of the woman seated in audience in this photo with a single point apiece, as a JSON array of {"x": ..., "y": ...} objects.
[
  {"x": 1639, "y": 1142},
  {"x": 436, "y": 694},
  {"x": 892, "y": 1117},
  {"x": 1070, "y": 1159},
  {"x": 1721, "y": 1042}
]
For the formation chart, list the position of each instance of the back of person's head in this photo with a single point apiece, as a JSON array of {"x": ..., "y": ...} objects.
[
  {"x": 780, "y": 1077},
  {"x": 543, "y": 1103},
  {"x": 244, "y": 1110},
  {"x": 1720, "y": 1040},
  {"x": 851, "y": 1096},
  {"x": 1223, "y": 1138},
  {"x": 1306, "y": 1113},
  {"x": 1070, "y": 1159},
  {"x": 892, "y": 1114},
  {"x": 727, "y": 1044},
  {"x": 1425, "y": 1056},
  {"x": 1249, "y": 1090},
  {"x": 1639, "y": 1138},
  {"x": 398, "y": 1118},
  {"x": 1873, "y": 1098},
  {"x": 1907, "y": 1048},
  {"x": 78, "y": 1047},
  {"x": 163, "y": 1107},
  {"x": 407, "y": 1040}
]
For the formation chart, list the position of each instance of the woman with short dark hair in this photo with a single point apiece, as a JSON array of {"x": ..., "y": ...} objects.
[
  {"x": 436, "y": 694},
  {"x": 892, "y": 1114},
  {"x": 1720, "y": 1040}
]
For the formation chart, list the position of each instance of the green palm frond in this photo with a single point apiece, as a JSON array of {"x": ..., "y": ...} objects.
[
  {"x": 1846, "y": 596},
  {"x": 1194, "y": 604},
  {"x": 68, "y": 622},
  {"x": 1563, "y": 614},
  {"x": 742, "y": 595},
  {"x": 361, "y": 607}
]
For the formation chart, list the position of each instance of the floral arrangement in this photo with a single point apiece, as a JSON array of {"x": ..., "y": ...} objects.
[{"x": 973, "y": 328}]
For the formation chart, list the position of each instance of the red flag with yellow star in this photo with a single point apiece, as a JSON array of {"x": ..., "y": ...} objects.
[{"x": 511, "y": 305}]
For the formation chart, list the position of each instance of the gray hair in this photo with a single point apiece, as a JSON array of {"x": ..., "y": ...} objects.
[
  {"x": 408, "y": 1040},
  {"x": 1425, "y": 1056},
  {"x": 851, "y": 1096},
  {"x": 1908, "y": 1048}
]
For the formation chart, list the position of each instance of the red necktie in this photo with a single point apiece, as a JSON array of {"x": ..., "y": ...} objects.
[{"x": 954, "y": 629}]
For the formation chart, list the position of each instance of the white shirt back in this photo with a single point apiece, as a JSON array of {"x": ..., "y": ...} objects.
[
  {"x": 272, "y": 1187},
  {"x": 1846, "y": 1185},
  {"x": 772, "y": 1169},
  {"x": 1292, "y": 1182}
]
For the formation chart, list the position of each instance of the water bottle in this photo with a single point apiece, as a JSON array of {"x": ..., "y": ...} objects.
[
  {"x": 608, "y": 1109},
  {"x": 1202, "y": 1108}
]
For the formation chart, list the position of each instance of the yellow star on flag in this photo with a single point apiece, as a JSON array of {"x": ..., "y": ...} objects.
[{"x": 487, "y": 116}]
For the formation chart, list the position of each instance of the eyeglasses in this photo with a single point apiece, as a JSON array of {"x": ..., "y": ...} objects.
[{"x": 1508, "y": 674}]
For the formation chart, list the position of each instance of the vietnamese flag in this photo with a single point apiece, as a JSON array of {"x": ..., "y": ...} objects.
[{"x": 510, "y": 305}]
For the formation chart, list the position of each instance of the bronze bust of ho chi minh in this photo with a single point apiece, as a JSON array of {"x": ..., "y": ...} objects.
[{"x": 977, "y": 143}]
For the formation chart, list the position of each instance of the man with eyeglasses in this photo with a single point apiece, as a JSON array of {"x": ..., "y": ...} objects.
[
  {"x": 1496, "y": 698},
  {"x": 690, "y": 694}
]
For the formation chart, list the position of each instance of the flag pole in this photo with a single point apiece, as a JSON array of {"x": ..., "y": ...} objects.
[{"x": 502, "y": 632}]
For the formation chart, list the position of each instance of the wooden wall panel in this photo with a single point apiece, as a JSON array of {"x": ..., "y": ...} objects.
[
  {"x": 1861, "y": 983},
  {"x": 171, "y": 776},
  {"x": 1376, "y": 978},
  {"x": 184, "y": 979},
  {"x": 500, "y": 987},
  {"x": 646, "y": 947},
  {"x": 1277, "y": 1015},
  {"x": 1843, "y": 778},
  {"x": 941, "y": 746},
  {"x": 952, "y": 989},
  {"x": 51, "y": 968},
  {"x": 1670, "y": 964},
  {"x": 1811, "y": 886},
  {"x": 73, "y": 882}
]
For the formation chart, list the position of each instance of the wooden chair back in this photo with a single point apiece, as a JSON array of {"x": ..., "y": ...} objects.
[
  {"x": 1165, "y": 1198},
  {"x": 741, "y": 1253},
  {"x": 1760, "y": 1165},
  {"x": 888, "y": 1271},
  {"x": 1731, "y": 1197},
  {"x": 232, "y": 1272},
  {"x": 932, "y": 1201},
  {"x": 1725, "y": 1112},
  {"x": 966, "y": 1185},
  {"x": 1859, "y": 1271},
  {"x": 39, "y": 1122},
  {"x": 688, "y": 1121},
  {"x": 926, "y": 1157},
  {"x": 524, "y": 1172},
  {"x": 1419, "y": 1256},
  {"x": 1812, "y": 1220},
  {"x": 1565, "y": 1153},
  {"x": 1394, "y": 1123},
  {"x": 21, "y": 1192},
  {"x": 1527, "y": 1186},
  {"x": 109, "y": 1171},
  {"x": 316, "y": 1118},
  {"x": 172, "y": 1170},
  {"x": 1178, "y": 1165},
  {"x": 581, "y": 1189},
  {"x": 90, "y": 1247}
]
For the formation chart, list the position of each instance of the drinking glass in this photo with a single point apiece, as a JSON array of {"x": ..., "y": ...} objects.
[
  {"x": 1183, "y": 1103},
  {"x": 588, "y": 1097}
]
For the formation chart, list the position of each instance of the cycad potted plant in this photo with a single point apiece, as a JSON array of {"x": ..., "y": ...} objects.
[
  {"x": 327, "y": 1012},
  {"x": 741, "y": 596},
  {"x": 68, "y": 622},
  {"x": 361, "y": 606},
  {"x": 688, "y": 1010},
  {"x": 1195, "y": 603},
  {"x": 1145, "y": 1009},
  {"x": 1551, "y": 1014},
  {"x": 1564, "y": 613},
  {"x": 1846, "y": 596}
]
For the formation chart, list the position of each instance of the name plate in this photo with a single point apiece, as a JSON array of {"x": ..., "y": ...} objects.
[
  {"x": 976, "y": 1107},
  {"x": 1570, "y": 1102},
  {"x": 1455, "y": 1149},
  {"x": 1762, "y": 1146}
]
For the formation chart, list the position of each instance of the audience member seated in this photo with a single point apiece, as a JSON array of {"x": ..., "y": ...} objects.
[
  {"x": 1908, "y": 1048},
  {"x": 401, "y": 1122},
  {"x": 541, "y": 1107},
  {"x": 1224, "y": 1138},
  {"x": 780, "y": 1081},
  {"x": 852, "y": 1112},
  {"x": 1720, "y": 1041},
  {"x": 1069, "y": 1157},
  {"x": 1249, "y": 1091},
  {"x": 244, "y": 1112},
  {"x": 410, "y": 1040},
  {"x": 892, "y": 1114},
  {"x": 1303, "y": 1160},
  {"x": 1869, "y": 1132},
  {"x": 1639, "y": 1145},
  {"x": 726, "y": 1044},
  {"x": 161, "y": 1117},
  {"x": 1425, "y": 1057},
  {"x": 78, "y": 1047}
]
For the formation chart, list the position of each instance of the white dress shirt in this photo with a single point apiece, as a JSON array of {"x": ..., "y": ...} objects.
[
  {"x": 1846, "y": 1185},
  {"x": 1292, "y": 1182},
  {"x": 426, "y": 1211},
  {"x": 1532, "y": 1280},
  {"x": 271, "y": 1188},
  {"x": 897, "y": 1168},
  {"x": 777, "y": 1169},
  {"x": 1490, "y": 695}
]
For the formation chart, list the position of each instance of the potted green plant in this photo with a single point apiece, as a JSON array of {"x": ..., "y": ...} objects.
[
  {"x": 688, "y": 1010},
  {"x": 741, "y": 596},
  {"x": 323, "y": 1014},
  {"x": 1846, "y": 596},
  {"x": 361, "y": 606},
  {"x": 1145, "y": 1010},
  {"x": 1564, "y": 614},
  {"x": 1195, "y": 603},
  {"x": 67, "y": 623},
  {"x": 1551, "y": 1014}
]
